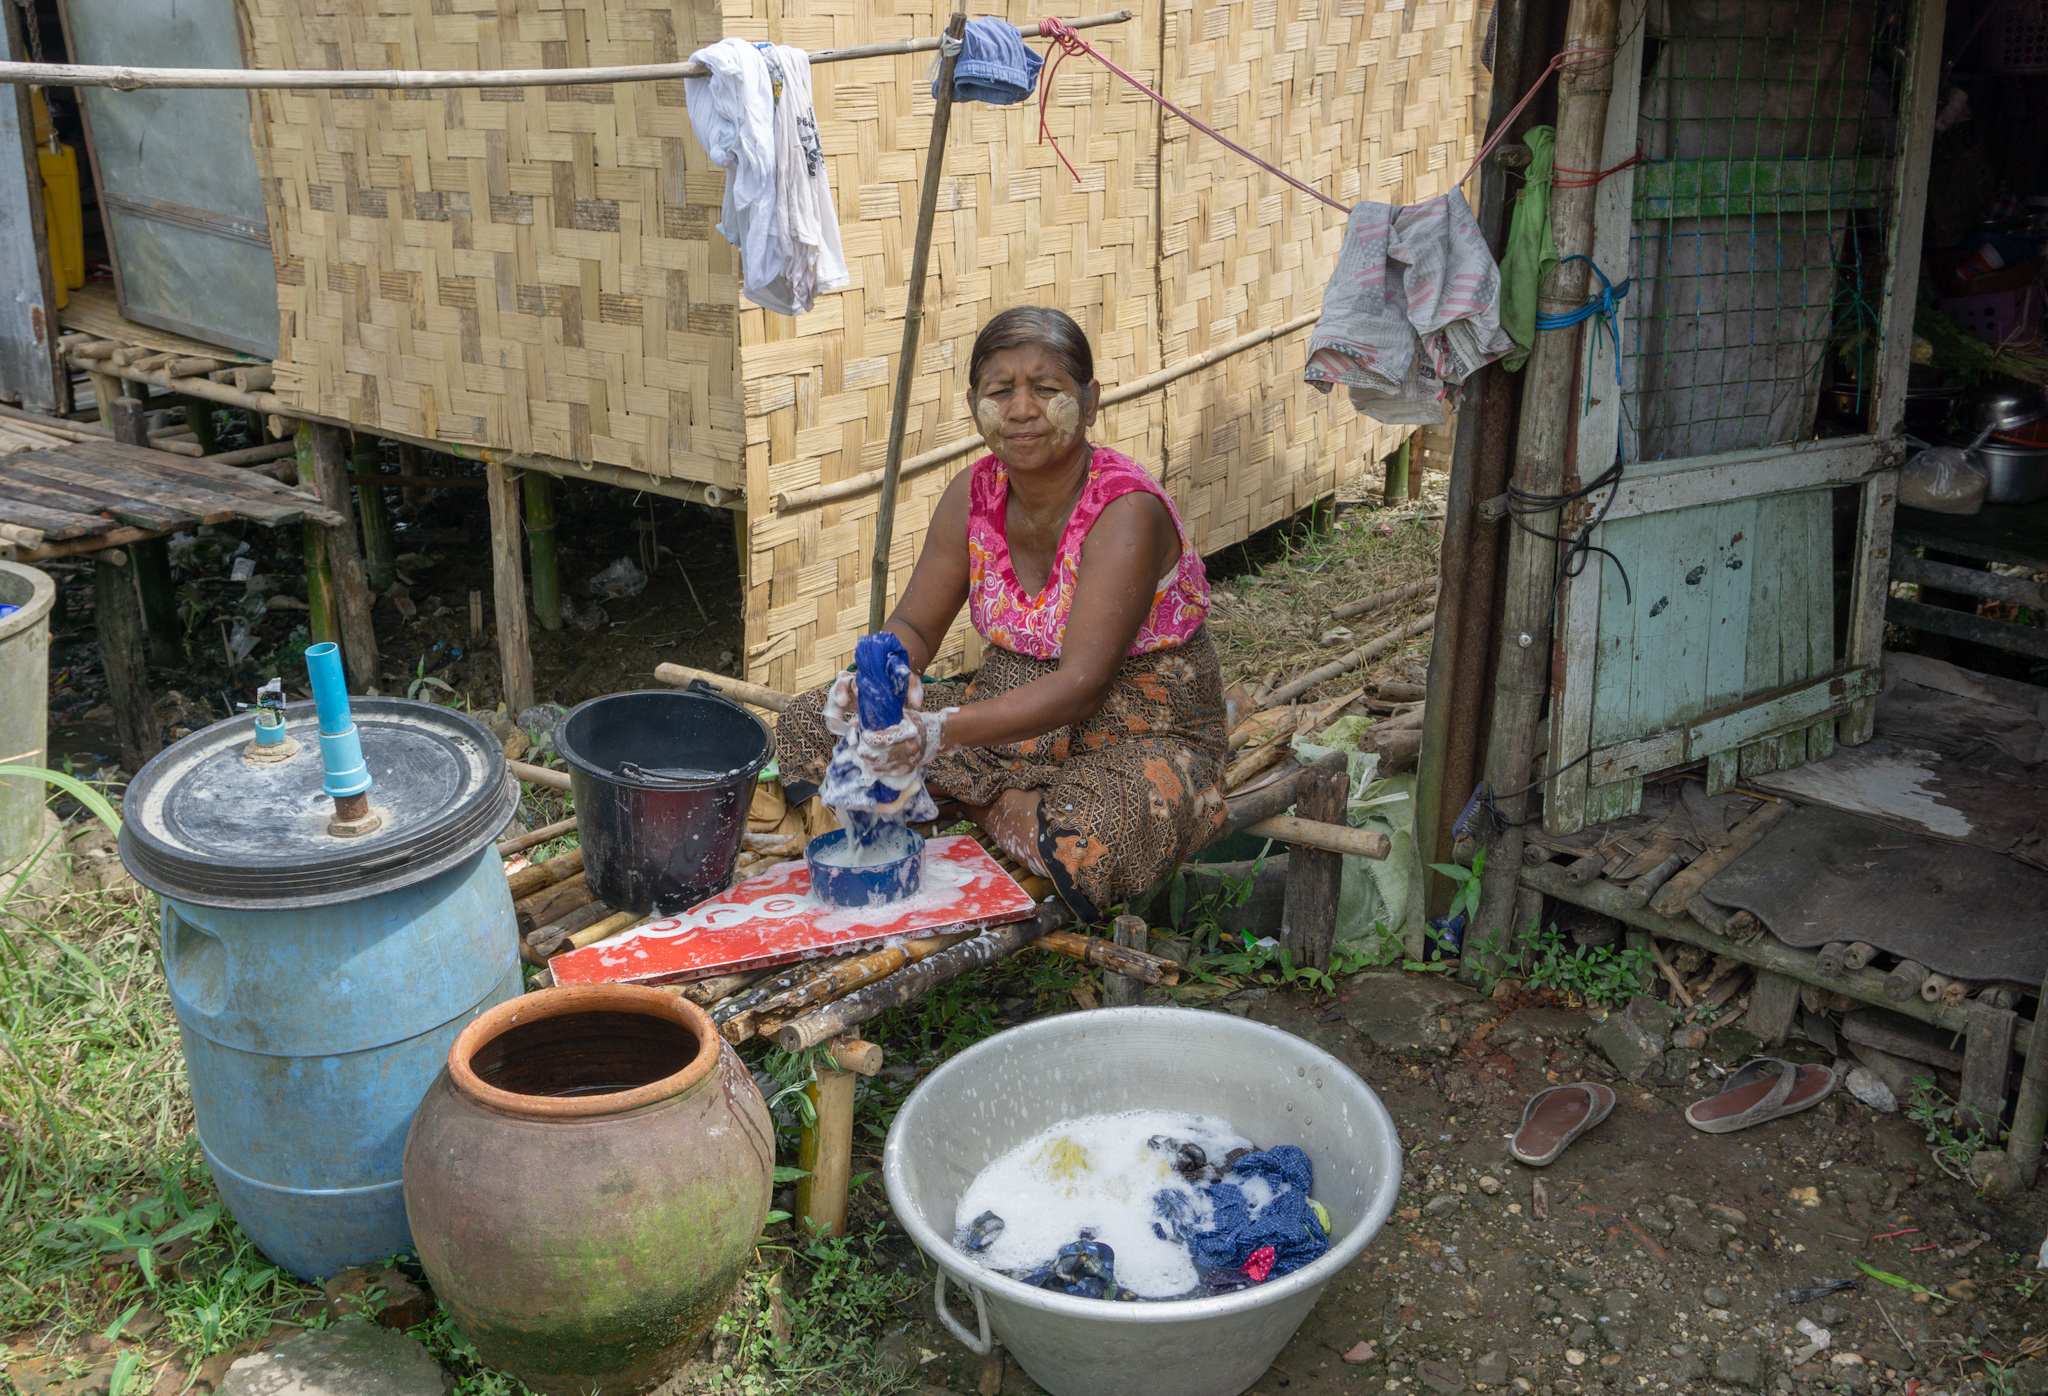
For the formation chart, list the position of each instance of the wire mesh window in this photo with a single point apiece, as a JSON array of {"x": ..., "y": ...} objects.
[{"x": 1769, "y": 130}]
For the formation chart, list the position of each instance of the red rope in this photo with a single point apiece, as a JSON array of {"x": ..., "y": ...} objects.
[
  {"x": 1586, "y": 179},
  {"x": 1069, "y": 42}
]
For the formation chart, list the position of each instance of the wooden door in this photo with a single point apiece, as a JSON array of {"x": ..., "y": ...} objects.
[
  {"x": 28, "y": 331},
  {"x": 1771, "y": 234}
]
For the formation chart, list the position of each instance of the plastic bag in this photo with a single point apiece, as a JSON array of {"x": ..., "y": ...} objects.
[
  {"x": 622, "y": 578},
  {"x": 1944, "y": 480}
]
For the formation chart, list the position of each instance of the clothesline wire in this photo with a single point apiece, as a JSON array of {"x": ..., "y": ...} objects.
[
  {"x": 1071, "y": 43},
  {"x": 1068, "y": 42}
]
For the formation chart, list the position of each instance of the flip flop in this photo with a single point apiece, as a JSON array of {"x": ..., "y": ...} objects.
[
  {"x": 1751, "y": 1097},
  {"x": 1555, "y": 1116}
]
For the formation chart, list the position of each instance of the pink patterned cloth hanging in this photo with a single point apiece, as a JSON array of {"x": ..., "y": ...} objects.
[{"x": 1036, "y": 625}]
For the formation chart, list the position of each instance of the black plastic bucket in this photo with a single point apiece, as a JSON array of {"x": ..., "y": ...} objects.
[{"x": 662, "y": 781}]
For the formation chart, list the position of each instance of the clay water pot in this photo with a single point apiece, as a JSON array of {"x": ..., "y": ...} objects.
[{"x": 585, "y": 1182}]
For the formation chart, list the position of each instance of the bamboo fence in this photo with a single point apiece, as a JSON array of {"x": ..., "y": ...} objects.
[{"x": 536, "y": 269}]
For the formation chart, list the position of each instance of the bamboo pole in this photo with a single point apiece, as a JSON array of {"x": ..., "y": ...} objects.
[
  {"x": 347, "y": 577},
  {"x": 537, "y": 836},
  {"x": 129, "y": 79},
  {"x": 825, "y": 1150},
  {"x": 1543, "y": 458},
  {"x": 913, "y": 323},
  {"x": 1371, "y": 649},
  {"x": 814, "y": 495},
  {"x": 682, "y": 676},
  {"x": 320, "y": 615},
  {"x": 2030, "y": 1111},
  {"x": 540, "y": 545},
  {"x": 539, "y": 775},
  {"x": 1396, "y": 488},
  {"x": 912, "y": 983},
  {"x": 508, "y": 589},
  {"x": 369, "y": 485},
  {"x": 1388, "y": 597}
]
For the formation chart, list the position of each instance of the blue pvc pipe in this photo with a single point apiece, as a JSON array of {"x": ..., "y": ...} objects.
[
  {"x": 330, "y": 690},
  {"x": 341, "y": 749}
]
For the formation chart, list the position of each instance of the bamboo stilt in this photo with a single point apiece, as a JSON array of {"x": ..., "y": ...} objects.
[
  {"x": 540, "y": 544},
  {"x": 508, "y": 586},
  {"x": 913, "y": 321},
  {"x": 118, "y": 615},
  {"x": 347, "y": 577},
  {"x": 151, "y": 556},
  {"x": 1543, "y": 459},
  {"x": 364, "y": 463},
  {"x": 199, "y": 417},
  {"x": 1396, "y": 488},
  {"x": 825, "y": 1152}
]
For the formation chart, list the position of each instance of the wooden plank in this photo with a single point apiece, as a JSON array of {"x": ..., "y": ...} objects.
[
  {"x": 1962, "y": 625},
  {"x": 1695, "y": 480},
  {"x": 1772, "y": 1004},
  {"x": 1723, "y": 770},
  {"x": 260, "y": 491},
  {"x": 203, "y": 505},
  {"x": 57, "y": 525},
  {"x": 1637, "y": 758},
  {"x": 1871, "y": 584},
  {"x": 1972, "y": 581},
  {"x": 508, "y": 587},
  {"x": 55, "y": 494},
  {"x": 29, "y": 369},
  {"x": 1904, "y": 228},
  {"x": 1581, "y": 603},
  {"x": 1730, "y": 579},
  {"x": 1618, "y": 800},
  {"x": 1766, "y": 714},
  {"x": 1987, "y": 1059}
]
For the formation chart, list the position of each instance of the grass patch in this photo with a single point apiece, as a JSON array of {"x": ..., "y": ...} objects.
[{"x": 1272, "y": 615}]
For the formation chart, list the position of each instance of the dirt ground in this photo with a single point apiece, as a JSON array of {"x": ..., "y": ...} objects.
[{"x": 1650, "y": 1257}]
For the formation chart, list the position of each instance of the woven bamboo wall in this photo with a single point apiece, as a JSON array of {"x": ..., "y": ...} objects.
[
  {"x": 533, "y": 269},
  {"x": 538, "y": 270},
  {"x": 1370, "y": 100}
]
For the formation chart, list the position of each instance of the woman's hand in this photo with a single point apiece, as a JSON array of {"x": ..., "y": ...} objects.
[
  {"x": 909, "y": 746},
  {"x": 842, "y": 706}
]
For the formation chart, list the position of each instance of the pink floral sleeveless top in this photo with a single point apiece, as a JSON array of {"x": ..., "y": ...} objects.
[{"x": 1035, "y": 625}]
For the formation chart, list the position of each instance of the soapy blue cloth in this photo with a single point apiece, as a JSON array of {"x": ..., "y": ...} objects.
[
  {"x": 1287, "y": 1223},
  {"x": 994, "y": 65},
  {"x": 881, "y": 677},
  {"x": 1085, "y": 1269}
]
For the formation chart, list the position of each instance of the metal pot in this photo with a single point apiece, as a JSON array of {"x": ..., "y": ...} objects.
[
  {"x": 2019, "y": 474},
  {"x": 2003, "y": 409}
]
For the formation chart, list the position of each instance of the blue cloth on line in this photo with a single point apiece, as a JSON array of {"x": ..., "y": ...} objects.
[
  {"x": 1287, "y": 1223},
  {"x": 994, "y": 65}
]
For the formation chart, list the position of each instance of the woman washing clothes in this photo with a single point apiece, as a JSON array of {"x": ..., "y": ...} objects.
[{"x": 1090, "y": 744}]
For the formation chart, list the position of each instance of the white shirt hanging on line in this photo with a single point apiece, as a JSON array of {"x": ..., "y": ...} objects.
[{"x": 778, "y": 199}]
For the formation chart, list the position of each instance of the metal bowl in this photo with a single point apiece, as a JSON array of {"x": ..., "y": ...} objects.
[{"x": 2003, "y": 409}]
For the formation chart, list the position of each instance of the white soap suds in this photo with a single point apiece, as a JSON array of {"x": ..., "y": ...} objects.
[{"x": 1098, "y": 1173}]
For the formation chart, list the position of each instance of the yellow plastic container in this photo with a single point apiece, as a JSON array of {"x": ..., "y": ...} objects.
[{"x": 63, "y": 209}]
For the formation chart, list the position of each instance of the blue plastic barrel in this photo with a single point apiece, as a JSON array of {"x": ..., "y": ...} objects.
[{"x": 319, "y": 981}]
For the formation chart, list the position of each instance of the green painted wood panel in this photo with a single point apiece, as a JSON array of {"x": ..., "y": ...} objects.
[{"x": 1728, "y": 600}]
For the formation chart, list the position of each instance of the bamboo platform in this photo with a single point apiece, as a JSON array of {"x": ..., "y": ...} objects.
[{"x": 95, "y": 310}]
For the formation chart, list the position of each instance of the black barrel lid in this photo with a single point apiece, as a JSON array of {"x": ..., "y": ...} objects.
[{"x": 203, "y": 824}]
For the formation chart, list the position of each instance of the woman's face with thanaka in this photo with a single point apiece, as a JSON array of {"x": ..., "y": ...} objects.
[{"x": 1029, "y": 409}]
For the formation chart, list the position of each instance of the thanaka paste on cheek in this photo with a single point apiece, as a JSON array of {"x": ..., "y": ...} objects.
[
  {"x": 989, "y": 418},
  {"x": 1064, "y": 414}
]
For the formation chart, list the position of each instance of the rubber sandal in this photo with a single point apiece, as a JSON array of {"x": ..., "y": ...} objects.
[
  {"x": 1555, "y": 1116},
  {"x": 1751, "y": 1097}
]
